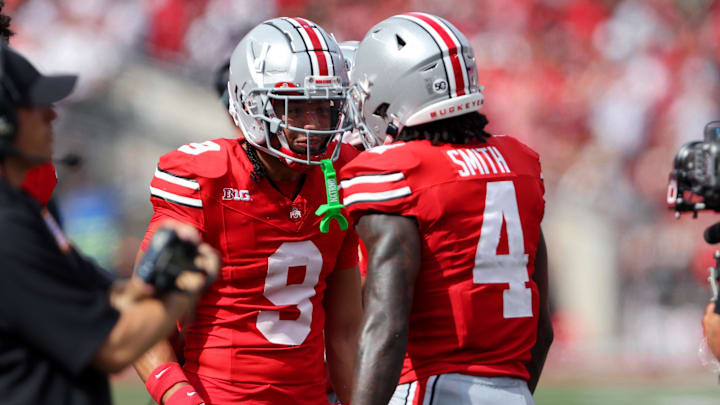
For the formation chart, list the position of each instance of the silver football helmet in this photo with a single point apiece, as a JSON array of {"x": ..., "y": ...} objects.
[
  {"x": 348, "y": 49},
  {"x": 278, "y": 66},
  {"x": 411, "y": 69}
]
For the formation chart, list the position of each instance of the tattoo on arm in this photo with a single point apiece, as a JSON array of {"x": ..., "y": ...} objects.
[{"x": 393, "y": 244}]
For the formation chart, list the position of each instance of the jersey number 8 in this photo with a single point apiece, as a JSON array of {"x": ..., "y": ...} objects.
[{"x": 277, "y": 290}]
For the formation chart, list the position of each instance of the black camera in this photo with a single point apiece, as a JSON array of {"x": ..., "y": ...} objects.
[
  {"x": 166, "y": 257},
  {"x": 694, "y": 183}
]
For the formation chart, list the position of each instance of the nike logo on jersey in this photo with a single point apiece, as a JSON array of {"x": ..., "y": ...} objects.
[
  {"x": 158, "y": 375},
  {"x": 472, "y": 161},
  {"x": 231, "y": 194},
  {"x": 190, "y": 393}
]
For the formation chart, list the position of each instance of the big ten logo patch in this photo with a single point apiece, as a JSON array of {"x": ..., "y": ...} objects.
[{"x": 231, "y": 194}]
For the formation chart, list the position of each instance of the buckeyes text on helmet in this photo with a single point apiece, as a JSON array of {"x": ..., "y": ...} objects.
[
  {"x": 284, "y": 62},
  {"x": 412, "y": 69}
]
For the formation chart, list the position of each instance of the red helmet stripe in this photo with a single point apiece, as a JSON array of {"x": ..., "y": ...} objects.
[
  {"x": 447, "y": 39},
  {"x": 316, "y": 47},
  {"x": 326, "y": 50}
]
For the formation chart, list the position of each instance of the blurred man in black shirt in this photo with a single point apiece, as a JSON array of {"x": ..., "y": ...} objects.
[{"x": 60, "y": 330}]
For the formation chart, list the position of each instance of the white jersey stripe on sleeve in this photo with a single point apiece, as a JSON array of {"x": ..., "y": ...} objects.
[
  {"x": 371, "y": 179},
  {"x": 412, "y": 391},
  {"x": 170, "y": 178},
  {"x": 174, "y": 198},
  {"x": 376, "y": 197}
]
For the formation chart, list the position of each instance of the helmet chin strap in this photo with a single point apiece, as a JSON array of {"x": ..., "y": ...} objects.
[{"x": 285, "y": 148}]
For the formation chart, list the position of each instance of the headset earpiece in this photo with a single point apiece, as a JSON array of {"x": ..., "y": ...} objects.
[{"x": 8, "y": 108}]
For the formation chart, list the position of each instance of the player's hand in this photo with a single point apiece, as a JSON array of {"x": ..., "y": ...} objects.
[
  {"x": 207, "y": 260},
  {"x": 711, "y": 329},
  {"x": 124, "y": 293},
  {"x": 184, "y": 231}
]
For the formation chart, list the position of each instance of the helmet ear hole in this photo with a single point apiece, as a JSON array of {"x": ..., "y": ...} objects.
[
  {"x": 429, "y": 68},
  {"x": 381, "y": 110},
  {"x": 391, "y": 129},
  {"x": 400, "y": 42}
]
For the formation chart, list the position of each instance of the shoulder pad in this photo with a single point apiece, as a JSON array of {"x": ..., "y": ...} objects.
[
  {"x": 384, "y": 148},
  {"x": 347, "y": 154},
  {"x": 383, "y": 159},
  {"x": 208, "y": 159},
  {"x": 509, "y": 139}
]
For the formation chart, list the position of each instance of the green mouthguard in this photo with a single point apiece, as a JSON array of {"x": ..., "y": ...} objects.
[{"x": 331, "y": 210}]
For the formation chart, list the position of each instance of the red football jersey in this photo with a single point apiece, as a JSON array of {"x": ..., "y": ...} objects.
[
  {"x": 478, "y": 209},
  {"x": 262, "y": 320}
]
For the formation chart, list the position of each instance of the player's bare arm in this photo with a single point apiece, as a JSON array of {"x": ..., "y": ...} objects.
[
  {"x": 343, "y": 308},
  {"x": 147, "y": 320},
  {"x": 159, "y": 354},
  {"x": 393, "y": 245},
  {"x": 545, "y": 329},
  {"x": 119, "y": 349},
  {"x": 711, "y": 325}
]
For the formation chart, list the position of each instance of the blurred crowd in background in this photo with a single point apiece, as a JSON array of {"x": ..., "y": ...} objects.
[{"x": 605, "y": 90}]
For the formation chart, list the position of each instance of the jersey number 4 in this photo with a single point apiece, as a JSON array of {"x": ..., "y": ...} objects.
[
  {"x": 288, "y": 255},
  {"x": 511, "y": 268}
]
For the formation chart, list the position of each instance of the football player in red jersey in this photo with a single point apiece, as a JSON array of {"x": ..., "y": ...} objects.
[
  {"x": 287, "y": 292},
  {"x": 456, "y": 307}
]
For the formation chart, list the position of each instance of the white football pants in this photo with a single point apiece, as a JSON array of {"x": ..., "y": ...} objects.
[{"x": 460, "y": 389}]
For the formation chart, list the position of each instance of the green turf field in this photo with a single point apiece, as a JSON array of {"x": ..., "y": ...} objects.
[
  {"x": 134, "y": 394},
  {"x": 599, "y": 395},
  {"x": 130, "y": 394}
]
